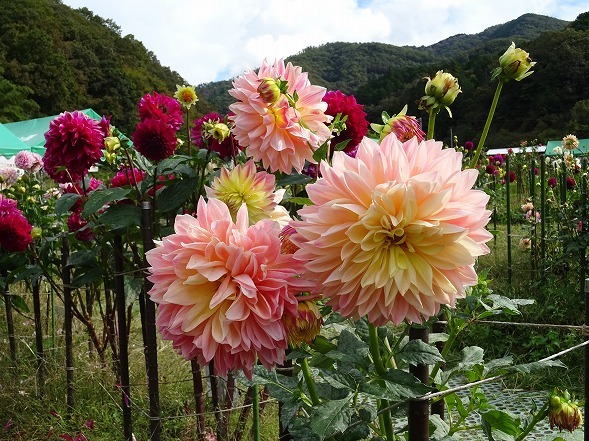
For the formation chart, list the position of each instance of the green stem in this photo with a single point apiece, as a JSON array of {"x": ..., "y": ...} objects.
[
  {"x": 386, "y": 420},
  {"x": 540, "y": 415},
  {"x": 309, "y": 381},
  {"x": 431, "y": 123},
  {"x": 475, "y": 159},
  {"x": 256, "y": 413}
]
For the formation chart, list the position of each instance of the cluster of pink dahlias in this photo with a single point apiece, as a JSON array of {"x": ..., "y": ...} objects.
[
  {"x": 155, "y": 135},
  {"x": 15, "y": 230},
  {"x": 73, "y": 144},
  {"x": 356, "y": 124},
  {"x": 212, "y": 132},
  {"x": 279, "y": 127},
  {"x": 28, "y": 161}
]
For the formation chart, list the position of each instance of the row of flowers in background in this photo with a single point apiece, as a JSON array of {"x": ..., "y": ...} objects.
[{"x": 290, "y": 211}]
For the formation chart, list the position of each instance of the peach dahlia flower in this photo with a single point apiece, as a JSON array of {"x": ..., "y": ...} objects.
[
  {"x": 394, "y": 232},
  {"x": 278, "y": 134},
  {"x": 222, "y": 288}
]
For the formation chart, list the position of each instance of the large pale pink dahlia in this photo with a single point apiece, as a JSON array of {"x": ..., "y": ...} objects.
[
  {"x": 222, "y": 288},
  {"x": 73, "y": 144},
  {"x": 280, "y": 133},
  {"x": 394, "y": 232}
]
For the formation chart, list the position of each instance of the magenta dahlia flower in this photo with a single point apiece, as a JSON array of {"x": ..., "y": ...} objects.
[
  {"x": 73, "y": 144},
  {"x": 127, "y": 176},
  {"x": 394, "y": 232},
  {"x": 75, "y": 223},
  {"x": 28, "y": 161},
  {"x": 282, "y": 133},
  {"x": 161, "y": 107},
  {"x": 552, "y": 182},
  {"x": 222, "y": 288},
  {"x": 225, "y": 146},
  {"x": 155, "y": 139},
  {"x": 356, "y": 123},
  {"x": 15, "y": 230}
]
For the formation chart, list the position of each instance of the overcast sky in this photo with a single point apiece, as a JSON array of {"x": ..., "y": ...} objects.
[{"x": 208, "y": 41}]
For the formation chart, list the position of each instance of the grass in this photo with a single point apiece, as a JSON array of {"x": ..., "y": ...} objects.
[{"x": 97, "y": 398}]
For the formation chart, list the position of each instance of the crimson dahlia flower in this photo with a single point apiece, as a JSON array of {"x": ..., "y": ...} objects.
[
  {"x": 356, "y": 123},
  {"x": 161, "y": 107},
  {"x": 155, "y": 139},
  {"x": 15, "y": 230}
]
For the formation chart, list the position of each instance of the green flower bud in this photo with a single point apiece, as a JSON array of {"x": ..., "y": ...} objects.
[
  {"x": 514, "y": 64},
  {"x": 36, "y": 232},
  {"x": 111, "y": 143},
  {"x": 440, "y": 92}
]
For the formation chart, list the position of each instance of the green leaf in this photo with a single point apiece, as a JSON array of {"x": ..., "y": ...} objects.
[
  {"x": 297, "y": 200},
  {"x": 333, "y": 416},
  {"x": 341, "y": 145},
  {"x": 418, "y": 352},
  {"x": 82, "y": 258},
  {"x": 526, "y": 368},
  {"x": 397, "y": 385},
  {"x": 19, "y": 303},
  {"x": 173, "y": 196},
  {"x": 65, "y": 202},
  {"x": 133, "y": 287},
  {"x": 283, "y": 180},
  {"x": 99, "y": 198},
  {"x": 321, "y": 153},
  {"x": 93, "y": 274},
  {"x": 438, "y": 427},
  {"x": 323, "y": 345},
  {"x": 121, "y": 216},
  {"x": 503, "y": 422}
]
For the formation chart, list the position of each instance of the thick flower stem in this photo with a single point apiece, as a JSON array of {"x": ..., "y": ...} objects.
[
  {"x": 255, "y": 413},
  {"x": 431, "y": 123},
  {"x": 386, "y": 421},
  {"x": 309, "y": 381},
  {"x": 475, "y": 159},
  {"x": 539, "y": 416}
]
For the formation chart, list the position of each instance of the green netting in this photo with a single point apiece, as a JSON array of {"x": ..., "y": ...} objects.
[
  {"x": 10, "y": 145},
  {"x": 581, "y": 150},
  {"x": 32, "y": 132}
]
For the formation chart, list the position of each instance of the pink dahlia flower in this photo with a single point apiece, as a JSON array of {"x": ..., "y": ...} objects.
[
  {"x": 161, "y": 107},
  {"x": 356, "y": 122},
  {"x": 394, "y": 232},
  {"x": 155, "y": 139},
  {"x": 28, "y": 161},
  {"x": 222, "y": 288},
  {"x": 15, "y": 230},
  {"x": 8, "y": 176},
  {"x": 281, "y": 134},
  {"x": 74, "y": 141}
]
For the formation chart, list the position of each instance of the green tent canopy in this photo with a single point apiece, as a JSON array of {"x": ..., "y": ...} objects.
[
  {"x": 581, "y": 150},
  {"x": 10, "y": 145},
  {"x": 32, "y": 131}
]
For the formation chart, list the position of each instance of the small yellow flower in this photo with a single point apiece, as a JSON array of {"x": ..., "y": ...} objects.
[
  {"x": 216, "y": 130},
  {"x": 36, "y": 232},
  {"x": 514, "y": 64},
  {"x": 112, "y": 143},
  {"x": 186, "y": 95}
]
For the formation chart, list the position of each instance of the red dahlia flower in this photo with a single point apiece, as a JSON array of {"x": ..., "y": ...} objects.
[
  {"x": 155, "y": 139},
  {"x": 356, "y": 123},
  {"x": 15, "y": 230},
  {"x": 73, "y": 144},
  {"x": 162, "y": 107}
]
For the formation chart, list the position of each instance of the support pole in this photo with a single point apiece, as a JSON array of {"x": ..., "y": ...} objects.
[
  {"x": 419, "y": 409},
  {"x": 38, "y": 338},
  {"x": 68, "y": 318}
]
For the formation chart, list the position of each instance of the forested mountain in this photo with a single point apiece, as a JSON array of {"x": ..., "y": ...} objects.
[
  {"x": 54, "y": 58},
  {"x": 549, "y": 104}
]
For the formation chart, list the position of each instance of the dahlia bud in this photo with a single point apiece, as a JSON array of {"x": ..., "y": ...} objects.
[
  {"x": 563, "y": 412},
  {"x": 286, "y": 245},
  {"x": 111, "y": 143},
  {"x": 403, "y": 126},
  {"x": 270, "y": 90},
  {"x": 217, "y": 130},
  {"x": 514, "y": 64},
  {"x": 36, "y": 232},
  {"x": 440, "y": 91},
  {"x": 304, "y": 327}
]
